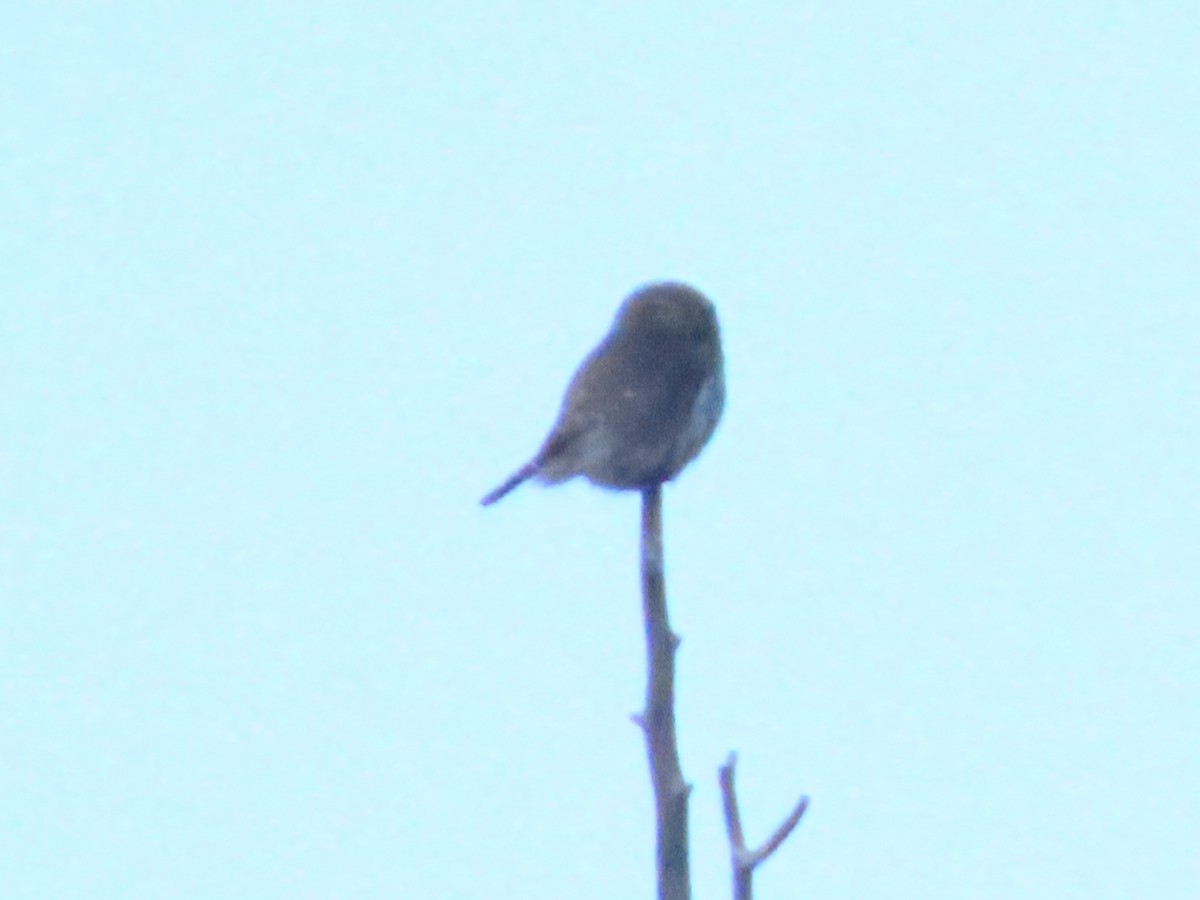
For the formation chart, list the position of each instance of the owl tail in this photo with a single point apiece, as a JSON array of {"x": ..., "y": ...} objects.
[{"x": 518, "y": 477}]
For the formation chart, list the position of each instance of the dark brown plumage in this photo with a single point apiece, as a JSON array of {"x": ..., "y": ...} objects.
[{"x": 643, "y": 403}]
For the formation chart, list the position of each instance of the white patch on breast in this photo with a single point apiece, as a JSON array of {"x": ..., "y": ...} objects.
[{"x": 705, "y": 412}]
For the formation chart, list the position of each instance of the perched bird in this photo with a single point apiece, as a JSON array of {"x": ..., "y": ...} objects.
[{"x": 644, "y": 403}]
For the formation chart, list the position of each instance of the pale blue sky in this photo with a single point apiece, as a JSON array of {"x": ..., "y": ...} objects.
[{"x": 287, "y": 287}]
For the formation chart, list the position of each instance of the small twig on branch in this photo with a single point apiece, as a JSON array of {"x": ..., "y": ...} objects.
[
  {"x": 657, "y": 720},
  {"x": 744, "y": 860}
]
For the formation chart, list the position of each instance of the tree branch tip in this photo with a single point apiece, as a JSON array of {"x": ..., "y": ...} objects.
[
  {"x": 638, "y": 719},
  {"x": 800, "y": 810},
  {"x": 781, "y": 833}
]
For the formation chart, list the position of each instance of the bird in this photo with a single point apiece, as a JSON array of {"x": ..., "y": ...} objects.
[{"x": 643, "y": 403}]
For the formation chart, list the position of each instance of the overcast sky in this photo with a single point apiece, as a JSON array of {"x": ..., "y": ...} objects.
[{"x": 286, "y": 287}]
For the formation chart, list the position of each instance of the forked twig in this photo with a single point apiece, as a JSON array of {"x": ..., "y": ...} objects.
[{"x": 744, "y": 860}]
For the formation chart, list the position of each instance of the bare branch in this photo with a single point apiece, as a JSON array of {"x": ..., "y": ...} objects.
[
  {"x": 658, "y": 719},
  {"x": 745, "y": 861}
]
